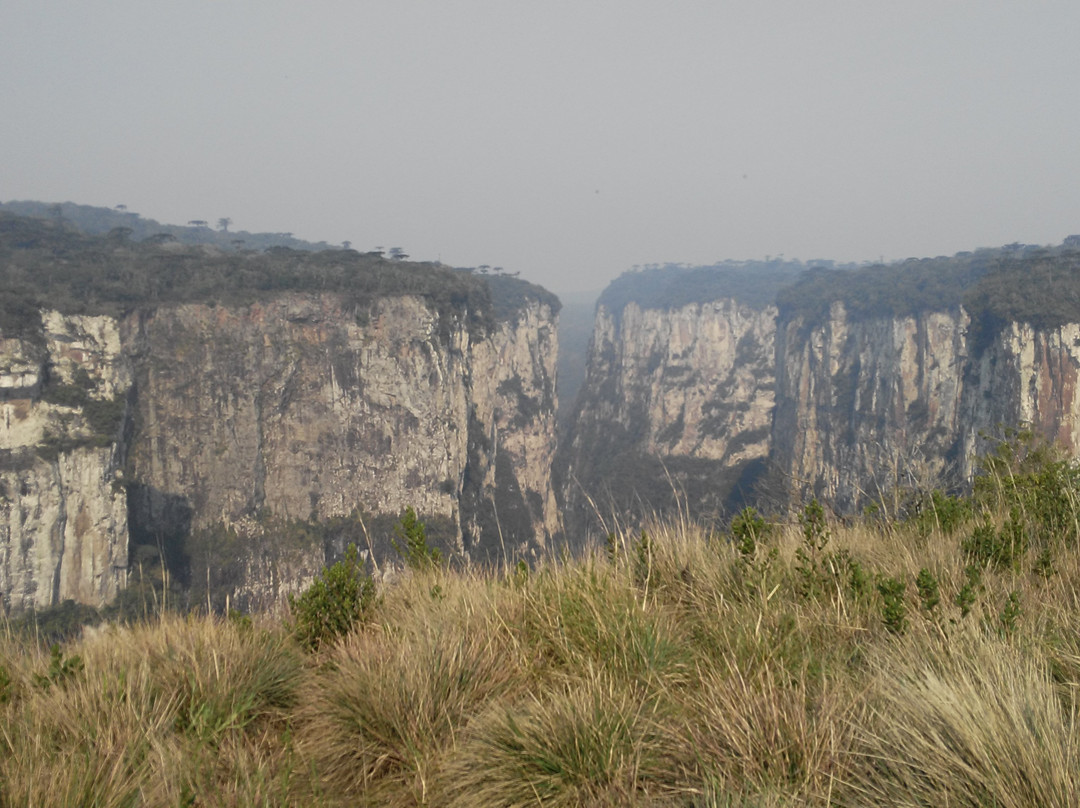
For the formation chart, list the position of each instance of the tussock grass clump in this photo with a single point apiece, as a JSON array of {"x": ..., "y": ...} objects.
[
  {"x": 149, "y": 703},
  {"x": 598, "y": 742},
  {"x": 385, "y": 711},
  {"x": 800, "y": 662},
  {"x": 974, "y": 718},
  {"x": 761, "y": 731},
  {"x": 579, "y": 620}
]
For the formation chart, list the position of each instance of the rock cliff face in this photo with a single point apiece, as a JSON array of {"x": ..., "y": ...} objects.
[
  {"x": 223, "y": 419},
  {"x": 1026, "y": 375},
  {"x": 866, "y": 405},
  {"x": 782, "y": 382},
  {"x": 63, "y": 516},
  {"x": 677, "y": 404},
  {"x": 507, "y": 492},
  {"x": 863, "y": 404}
]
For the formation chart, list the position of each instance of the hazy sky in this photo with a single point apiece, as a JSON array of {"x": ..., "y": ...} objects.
[{"x": 567, "y": 140}]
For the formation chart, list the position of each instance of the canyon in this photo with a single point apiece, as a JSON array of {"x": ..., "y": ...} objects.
[
  {"x": 241, "y": 443},
  {"x": 225, "y": 422},
  {"x": 768, "y": 383}
]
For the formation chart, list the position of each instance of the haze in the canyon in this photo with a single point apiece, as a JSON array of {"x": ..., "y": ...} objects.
[{"x": 566, "y": 141}]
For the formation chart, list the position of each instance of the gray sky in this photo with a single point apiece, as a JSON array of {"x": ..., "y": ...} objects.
[{"x": 567, "y": 140}]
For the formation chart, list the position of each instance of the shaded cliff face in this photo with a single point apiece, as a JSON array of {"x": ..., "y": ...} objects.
[
  {"x": 508, "y": 503},
  {"x": 63, "y": 516},
  {"x": 230, "y": 426},
  {"x": 677, "y": 403},
  {"x": 290, "y": 405},
  {"x": 885, "y": 378}
]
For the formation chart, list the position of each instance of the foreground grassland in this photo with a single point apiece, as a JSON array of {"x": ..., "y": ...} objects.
[{"x": 931, "y": 661}]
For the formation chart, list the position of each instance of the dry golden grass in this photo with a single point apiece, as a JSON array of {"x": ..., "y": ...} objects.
[
  {"x": 666, "y": 670},
  {"x": 973, "y": 718}
]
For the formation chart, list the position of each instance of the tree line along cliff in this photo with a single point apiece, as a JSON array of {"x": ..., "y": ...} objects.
[
  {"x": 223, "y": 421},
  {"x": 767, "y": 382},
  {"x": 231, "y": 418}
]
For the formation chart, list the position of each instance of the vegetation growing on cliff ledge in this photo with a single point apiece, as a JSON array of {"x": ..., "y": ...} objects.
[
  {"x": 1016, "y": 283},
  {"x": 47, "y": 264}
]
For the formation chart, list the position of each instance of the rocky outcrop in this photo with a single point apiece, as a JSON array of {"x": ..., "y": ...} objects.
[
  {"x": 676, "y": 406},
  {"x": 1025, "y": 376},
  {"x": 63, "y": 515},
  {"x": 198, "y": 427},
  {"x": 871, "y": 404},
  {"x": 507, "y": 491},
  {"x": 854, "y": 384},
  {"x": 865, "y": 403}
]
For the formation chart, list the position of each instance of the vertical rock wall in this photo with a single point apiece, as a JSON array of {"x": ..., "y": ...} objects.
[
  {"x": 862, "y": 404},
  {"x": 677, "y": 405},
  {"x": 63, "y": 516},
  {"x": 867, "y": 406},
  {"x": 509, "y": 507},
  {"x": 218, "y": 420},
  {"x": 1026, "y": 376}
]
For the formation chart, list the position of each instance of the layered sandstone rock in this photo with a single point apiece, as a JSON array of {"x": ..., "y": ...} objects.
[{"x": 204, "y": 420}]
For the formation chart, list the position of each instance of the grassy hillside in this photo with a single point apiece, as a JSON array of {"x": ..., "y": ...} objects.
[{"x": 927, "y": 661}]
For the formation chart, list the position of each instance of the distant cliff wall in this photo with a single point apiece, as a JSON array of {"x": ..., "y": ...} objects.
[
  {"x": 1026, "y": 375},
  {"x": 63, "y": 516},
  {"x": 197, "y": 430},
  {"x": 865, "y": 405},
  {"x": 676, "y": 405},
  {"x": 711, "y": 386}
]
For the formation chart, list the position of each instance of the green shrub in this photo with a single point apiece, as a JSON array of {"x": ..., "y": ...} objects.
[
  {"x": 611, "y": 546},
  {"x": 945, "y": 512},
  {"x": 968, "y": 593},
  {"x": 334, "y": 603},
  {"x": 748, "y": 529},
  {"x": 989, "y": 546},
  {"x": 1036, "y": 483},
  {"x": 893, "y": 610},
  {"x": 411, "y": 543},
  {"x": 818, "y": 573},
  {"x": 929, "y": 593},
  {"x": 643, "y": 560},
  {"x": 60, "y": 669},
  {"x": 7, "y": 686},
  {"x": 1009, "y": 614}
]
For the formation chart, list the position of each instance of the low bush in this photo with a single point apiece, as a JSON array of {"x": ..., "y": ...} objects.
[{"x": 334, "y": 603}]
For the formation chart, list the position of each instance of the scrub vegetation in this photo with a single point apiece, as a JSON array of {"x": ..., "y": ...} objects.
[
  {"x": 51, "y": 264},
  {"x": 1014, "y": 283},
  {"x": 923, "y": 660}
]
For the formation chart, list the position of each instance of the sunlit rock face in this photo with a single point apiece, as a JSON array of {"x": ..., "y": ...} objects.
[
  {"x": 63, "y": 516},
  {"x": 861, "y": 404},
  {"x": 868, "y": 405},
  {"x": 676, "y": 407},
  {"x": 186, "y": 421},
  {"x": 698, "y": 408},
  {"x": 1026, "y": 376}
]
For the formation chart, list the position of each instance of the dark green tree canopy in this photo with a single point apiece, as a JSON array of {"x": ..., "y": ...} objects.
[
  {"x": 49, "y": 263},
  {"x": 672, "y": 286}
]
